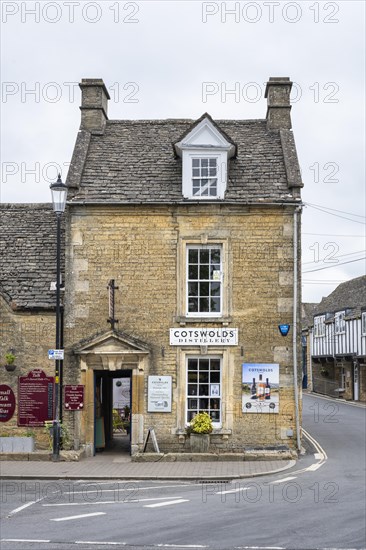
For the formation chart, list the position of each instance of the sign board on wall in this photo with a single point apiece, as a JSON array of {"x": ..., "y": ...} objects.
[
  {"x": 260, "y": 387},
  {"x": 159, "y": 394},
  {"x": 74, "y": 397},
  {"x": 7, "y": 403},
  {"x": 203, "y": 336},
  {"x": 35, "y": 398}
]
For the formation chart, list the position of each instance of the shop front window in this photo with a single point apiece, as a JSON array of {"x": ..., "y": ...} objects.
[{"x": 204, "y": 388}]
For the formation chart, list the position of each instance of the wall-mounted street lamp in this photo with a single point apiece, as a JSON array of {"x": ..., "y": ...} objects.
[{"x": 59, "y": 194}]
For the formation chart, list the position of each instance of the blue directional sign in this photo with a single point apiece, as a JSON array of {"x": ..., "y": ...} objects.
[
  {"x": 284, "y": 329},
  {"x": 56, "y": 354}
]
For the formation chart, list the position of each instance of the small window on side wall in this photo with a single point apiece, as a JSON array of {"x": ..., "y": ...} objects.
[
  {"x": 363, "y": 323},
  {"x": 319, "y": 326},
  {"x": 340, "y": 322}
]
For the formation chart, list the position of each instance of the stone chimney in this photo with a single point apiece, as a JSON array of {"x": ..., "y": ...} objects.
[
  {"x": 277, "y": 92},
  {"x": 94, "y": 104}
]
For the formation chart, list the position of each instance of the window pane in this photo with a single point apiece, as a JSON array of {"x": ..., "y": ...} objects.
[
  {"x": 192, "y": 389},
  {"x": 193, "y": 305},
  {"x": 215, "y": 364},
  {"x": 204, "y": 289},
  {"x": 212, "y": 162},
  {"x": 215, "y": 255},
  {"x": 192, "y": 364},
  {"x": 196, "y": 172},
  {"x": 204, "y": 192},
  {"x": 204, "y": 256},
  {"x": 212, "y": 191},
  {"x": 215, "y": 304},
  {"x": 193, "y": 256},
  {"x": 192, "y": 376},
  {"x": 204, "y": 305},
  {"x": 204, "y": 273},
  {"x": 204, "y": 364},
  {"x": 196, "y": 190},
  {"x": 195, "y": 162},
  {"x": 192, "y": 289},
  {"x": 192, "y": 403},
  {"x": 190, "y": 415},
  {"x": 193, "y": 272},
  {"x": 204, "y": 162},
  {"x": 215, "y": 377},
  {"x": 203, "y": 377},
  {"x": 203, "y": 404},
  {"x": 215, "y": 289}
]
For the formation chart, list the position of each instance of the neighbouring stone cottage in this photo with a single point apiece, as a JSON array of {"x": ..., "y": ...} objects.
[{"x": 181, "y": 255}]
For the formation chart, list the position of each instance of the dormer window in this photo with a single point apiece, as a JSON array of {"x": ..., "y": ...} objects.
[
  {"x": 204, "y": 176},
  {"x": 205, "y": 151}
]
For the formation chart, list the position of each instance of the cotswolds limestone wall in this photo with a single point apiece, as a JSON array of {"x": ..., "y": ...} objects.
[
  {"x": 30, "y": 335},
  {"x": 141, "y": 248}
]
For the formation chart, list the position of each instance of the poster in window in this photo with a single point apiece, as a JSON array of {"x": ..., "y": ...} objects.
[
  {"x": 214, "y": 390},
  {"x": 260, "y": 387}
]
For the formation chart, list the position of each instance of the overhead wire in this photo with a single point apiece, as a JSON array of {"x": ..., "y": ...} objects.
[
  {"x": 334, "y": 265},
  {"x": 332, "y": 214}
]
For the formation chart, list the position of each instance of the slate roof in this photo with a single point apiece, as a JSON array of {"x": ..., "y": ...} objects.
[
  {"x": 134, "y": 161},
  {"x": 349, "y": 295},
  {"x": 28, "y": 255},
  {"x": 307, "y": 314}
]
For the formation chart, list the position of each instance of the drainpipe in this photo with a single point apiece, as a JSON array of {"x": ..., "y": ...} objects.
[{"x": 294, "y": 333}]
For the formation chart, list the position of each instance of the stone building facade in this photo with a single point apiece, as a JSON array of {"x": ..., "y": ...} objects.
[{"x": 197, "y": 224}]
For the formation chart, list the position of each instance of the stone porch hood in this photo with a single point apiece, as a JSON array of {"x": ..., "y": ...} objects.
[{"x": 112, "y": 350}]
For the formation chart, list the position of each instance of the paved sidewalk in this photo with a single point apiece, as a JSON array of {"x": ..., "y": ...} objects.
[{"x": 121, "y": 467}]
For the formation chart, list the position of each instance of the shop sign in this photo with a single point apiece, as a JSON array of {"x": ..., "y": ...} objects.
[
  {"x": 260, "y": 387},
  {"x": 74, "y": 398},
  {"x": 7, "y": 403},
  {"x": 159, "y": 394},
  {"x": 204, "y": 336},
  {"x": 35, "y": 396}
]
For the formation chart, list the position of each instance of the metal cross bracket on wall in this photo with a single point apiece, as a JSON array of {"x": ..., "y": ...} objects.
[{"x": 111, "y": 289}]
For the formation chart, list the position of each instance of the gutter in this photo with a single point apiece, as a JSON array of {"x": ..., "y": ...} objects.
[{"x": 181, "y": 203}]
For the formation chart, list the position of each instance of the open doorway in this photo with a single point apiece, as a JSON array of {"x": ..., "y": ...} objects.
[{"x": 112, "y": 422}]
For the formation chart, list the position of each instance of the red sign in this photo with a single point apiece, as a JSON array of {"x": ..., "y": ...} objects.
[
  {"x": 35, "y": 396},
  {"x": 74, "y": 398},
  {"x": 7, "y": 403}
]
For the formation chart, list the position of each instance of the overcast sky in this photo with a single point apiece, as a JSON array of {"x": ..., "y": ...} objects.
[{"x": 179, "y": 59}]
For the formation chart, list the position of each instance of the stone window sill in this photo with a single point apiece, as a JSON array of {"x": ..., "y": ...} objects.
[
  {"x": 219, "y": 431},
  {"x": 182, "y": 320}
]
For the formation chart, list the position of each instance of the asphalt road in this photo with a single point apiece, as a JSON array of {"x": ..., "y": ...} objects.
[{"x": 319, "y": 504}]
